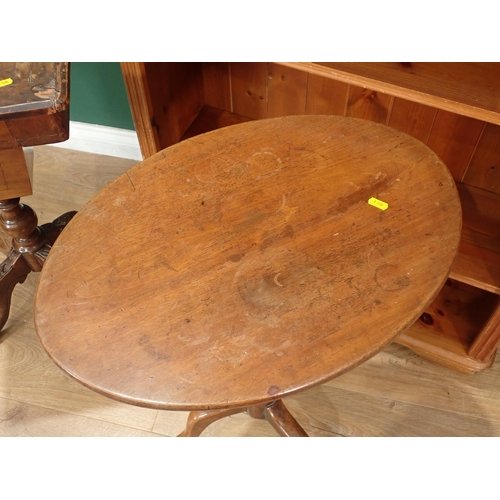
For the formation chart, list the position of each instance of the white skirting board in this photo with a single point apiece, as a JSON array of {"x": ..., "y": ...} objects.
[{"x": 102, "y": 140}]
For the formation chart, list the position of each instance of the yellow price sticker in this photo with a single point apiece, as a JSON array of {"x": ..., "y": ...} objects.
[
  {"x": 5, "y": 82},
  {"x": 378, "y": 203}
]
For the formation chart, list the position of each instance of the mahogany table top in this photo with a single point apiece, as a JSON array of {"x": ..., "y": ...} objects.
[{"x": 246, "y": 264}]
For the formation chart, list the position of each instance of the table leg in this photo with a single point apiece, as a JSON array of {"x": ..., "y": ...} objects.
[
  {"x": 198, "y": 421},
  {"x": 30, "y": 246},
  {"x": 13, "y": 270},
  {"x": 275, "y": 413},
  {"x": 279, "y": 417}
]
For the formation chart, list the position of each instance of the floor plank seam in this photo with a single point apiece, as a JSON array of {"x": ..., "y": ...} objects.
[
  {"x": 329, "y": 431},
  {"x": 79, "y": 415},
  {"x": 389, "y": 400}
]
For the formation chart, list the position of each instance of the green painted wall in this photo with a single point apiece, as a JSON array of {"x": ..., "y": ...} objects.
[{"x": 98, "y": 95}]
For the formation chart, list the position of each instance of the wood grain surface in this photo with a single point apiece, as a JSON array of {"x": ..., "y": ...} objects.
[
  {"x": 34, "y": 86},
  {"x": 395, "y": 393},
  {"x": 245, "y": 264},
  {"x": 14, "y": 172},
  {"x": 35, "y": 105},
  {"x": 433, "y": 84}
]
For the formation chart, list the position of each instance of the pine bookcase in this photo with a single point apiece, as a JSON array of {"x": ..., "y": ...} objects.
[{"x": 454, "y": 108}]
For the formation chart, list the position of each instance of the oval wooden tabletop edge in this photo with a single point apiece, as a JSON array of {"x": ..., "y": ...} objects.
[{"x": 160, "y": 157}]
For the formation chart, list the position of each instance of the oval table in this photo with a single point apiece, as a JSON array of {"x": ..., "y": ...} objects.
[{"x": 247, "y": 264}]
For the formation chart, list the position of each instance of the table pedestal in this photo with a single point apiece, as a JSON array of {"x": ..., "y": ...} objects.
[
  {"x": 275, "y": 413},
  {"x": 34, "y": 110},
  {"x": 30, "y": 247}
]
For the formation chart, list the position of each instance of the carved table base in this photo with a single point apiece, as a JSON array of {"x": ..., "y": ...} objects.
[
  {"x": 30, "y": 246},
  {"x": 275, "y": 413}
]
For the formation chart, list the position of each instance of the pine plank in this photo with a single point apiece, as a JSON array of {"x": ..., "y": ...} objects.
[
  {"x": 488, "y": 339},
  {"x": 249, "y": 89},
  {"x": 478, "y": 259},
  {"x": 368, "y": 104},
  {"x": 433, "y": 84},
  {"x": 484, "y": 169},
  {"x": 217, "y": 85},
  {"x": 141, "y": 106},
  {"x": 477, "y": 266},
  {"x": 454, "y": 138},
  {"x": 412, "y": 118},
  {"x": 326, "y": 96},
  {"x": 287, "y": 91},
  {"x": 211, "y": 118},
  {"x": 176, "y": 96},
  {"x": 449, "y": 325}
]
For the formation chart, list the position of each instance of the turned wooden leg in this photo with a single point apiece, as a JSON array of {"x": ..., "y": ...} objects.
[
  {"x": 19, "y": 222},
  {"x": 198, "y": 421},
  {"x": 30, "y": 246}
]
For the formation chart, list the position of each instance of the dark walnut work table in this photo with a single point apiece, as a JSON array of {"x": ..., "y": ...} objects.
[
  {"x": 33, "y": 111},
  {"x": 454, "y": 108},
  {"x": 247, "y": 264}
]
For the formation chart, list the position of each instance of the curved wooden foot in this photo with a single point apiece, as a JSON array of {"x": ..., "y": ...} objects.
[
  {"x": 275, "y": 413},
  {"x": 13, "y": 270},
  {"x": 283, "y": 421},
  {"x": 53, "y": 229},
  {"x": 198, "y": 421}
]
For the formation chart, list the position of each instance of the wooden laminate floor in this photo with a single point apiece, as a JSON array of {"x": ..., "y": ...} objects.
[{"x": 396, "y": 393}]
